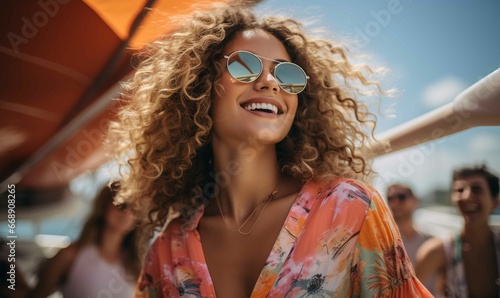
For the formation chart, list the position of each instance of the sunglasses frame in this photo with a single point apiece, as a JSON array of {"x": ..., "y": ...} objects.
[
  {"x": 278, "y": 63},
  {"x": 400, "y": 197}
]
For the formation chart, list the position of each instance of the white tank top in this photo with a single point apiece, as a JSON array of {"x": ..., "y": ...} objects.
[{"x": 91, "y": 276}]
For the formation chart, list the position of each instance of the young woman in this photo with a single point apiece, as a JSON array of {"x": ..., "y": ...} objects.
[
  {"x": 103, "y": 262},
  {"x": 242, "y": 140}
]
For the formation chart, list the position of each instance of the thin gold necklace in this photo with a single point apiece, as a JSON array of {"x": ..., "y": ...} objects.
[{"x": 264, "y": 202}]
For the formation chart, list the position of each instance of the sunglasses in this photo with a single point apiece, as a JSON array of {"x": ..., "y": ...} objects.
[
  {"x": 246, "y": 67},
  {"x": 400, "y": 197}
]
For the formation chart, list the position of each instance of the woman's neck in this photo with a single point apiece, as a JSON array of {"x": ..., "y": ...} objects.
[{"x": 245, "y": 178}]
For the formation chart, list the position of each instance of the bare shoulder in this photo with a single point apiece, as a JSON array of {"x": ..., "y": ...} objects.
[
  {"x": 61, "y": 262},
  {"x": 432, "y": 250},
  {"x": 433, "y": 245},
  {"x": 54, "y": 271},
  {"x": 66, "y": 255},
  {"x": 430, "y": 258}
]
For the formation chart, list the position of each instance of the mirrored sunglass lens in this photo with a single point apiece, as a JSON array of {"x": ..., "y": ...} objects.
[
  {"x": 244, "y": 67},
  {"x": 290, "y": 78}
]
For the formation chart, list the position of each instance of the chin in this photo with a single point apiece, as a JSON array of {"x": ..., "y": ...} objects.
[{"x": 268, "y": 136}]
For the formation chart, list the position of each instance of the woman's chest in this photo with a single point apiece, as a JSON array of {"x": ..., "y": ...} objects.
[{"x": 234, "y": 260}]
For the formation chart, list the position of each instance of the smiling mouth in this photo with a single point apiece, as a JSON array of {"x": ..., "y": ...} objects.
[
  {"x": 470, "y": 208},
  {"x": 262, "y": 107}
]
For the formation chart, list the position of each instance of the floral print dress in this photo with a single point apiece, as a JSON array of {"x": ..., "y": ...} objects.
[{"x": 338, "y": 240}]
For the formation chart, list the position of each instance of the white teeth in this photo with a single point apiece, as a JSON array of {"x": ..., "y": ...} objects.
[
  {"x": 261, "y": 106},
  {"x": 470, "y": 207}
]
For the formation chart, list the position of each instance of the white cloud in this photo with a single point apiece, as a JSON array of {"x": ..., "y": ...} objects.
[
  {"x": 442, "y": 91},
  {"x": 425, "y": 167},
  {"x": 484, "y": 143},
  {"x": 428, "y": 166}
]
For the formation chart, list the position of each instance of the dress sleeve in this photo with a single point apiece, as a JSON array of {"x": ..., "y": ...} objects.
[
  {"x": 381, "y": 267},
  {"x": 148, "y": 279}
]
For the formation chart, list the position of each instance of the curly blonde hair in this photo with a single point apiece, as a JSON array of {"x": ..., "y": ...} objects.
[{"x": 162, "y": 135}]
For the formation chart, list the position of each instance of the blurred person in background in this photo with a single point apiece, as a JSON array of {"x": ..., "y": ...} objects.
[
  {"x": 403, "y": 203},
  {"x": 469, "y": 261},
  {"x": 103, "y": 262}
]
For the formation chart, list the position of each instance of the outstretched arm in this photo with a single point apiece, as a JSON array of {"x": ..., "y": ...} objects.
[{"x": 53, "y": 272}]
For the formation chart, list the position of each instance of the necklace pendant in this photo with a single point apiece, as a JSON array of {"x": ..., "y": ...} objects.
[{"x": 264, "y": 203}]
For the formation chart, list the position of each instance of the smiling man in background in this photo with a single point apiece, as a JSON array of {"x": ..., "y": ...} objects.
[{"x": 469, "y": 261}]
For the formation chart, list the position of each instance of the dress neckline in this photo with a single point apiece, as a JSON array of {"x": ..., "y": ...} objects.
[{"x": 302, "y": 204}]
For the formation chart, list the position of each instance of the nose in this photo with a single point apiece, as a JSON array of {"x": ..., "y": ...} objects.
[
  {"x": 466, "y": 194},
  {"x": 266, "y": 81}
]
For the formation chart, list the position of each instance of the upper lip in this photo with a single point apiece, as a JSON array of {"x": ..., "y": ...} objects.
[{"x": 269, "y": 100}]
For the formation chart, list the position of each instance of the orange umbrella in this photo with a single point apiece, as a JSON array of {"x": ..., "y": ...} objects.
[{"x": 61, "y": 62}]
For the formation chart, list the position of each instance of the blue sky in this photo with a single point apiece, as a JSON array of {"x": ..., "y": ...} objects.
[{"x": 434, "y": 50}]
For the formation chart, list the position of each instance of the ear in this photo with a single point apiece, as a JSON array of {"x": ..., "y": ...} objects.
[{"x": 496, "y": 201}]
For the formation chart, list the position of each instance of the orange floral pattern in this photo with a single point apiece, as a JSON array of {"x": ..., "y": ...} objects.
[{"x": 338, "y": 240}]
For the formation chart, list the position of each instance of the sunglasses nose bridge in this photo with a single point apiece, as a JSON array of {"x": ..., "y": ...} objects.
[
  {"x": 266, "y": 75},
  {"x": 267, "y": 79}
]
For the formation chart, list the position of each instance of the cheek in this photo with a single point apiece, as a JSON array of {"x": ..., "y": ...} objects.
[
  {"x": 287, "y": 121},
  {"x": 226, "y": 92},
  {"x": 292, "y": 105},
  {"x": 129, "y": 222},
  {"x": 125, "y": 220},
  {"x": 228, "y": 85},
  {"x": 496, "y": 204}
]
